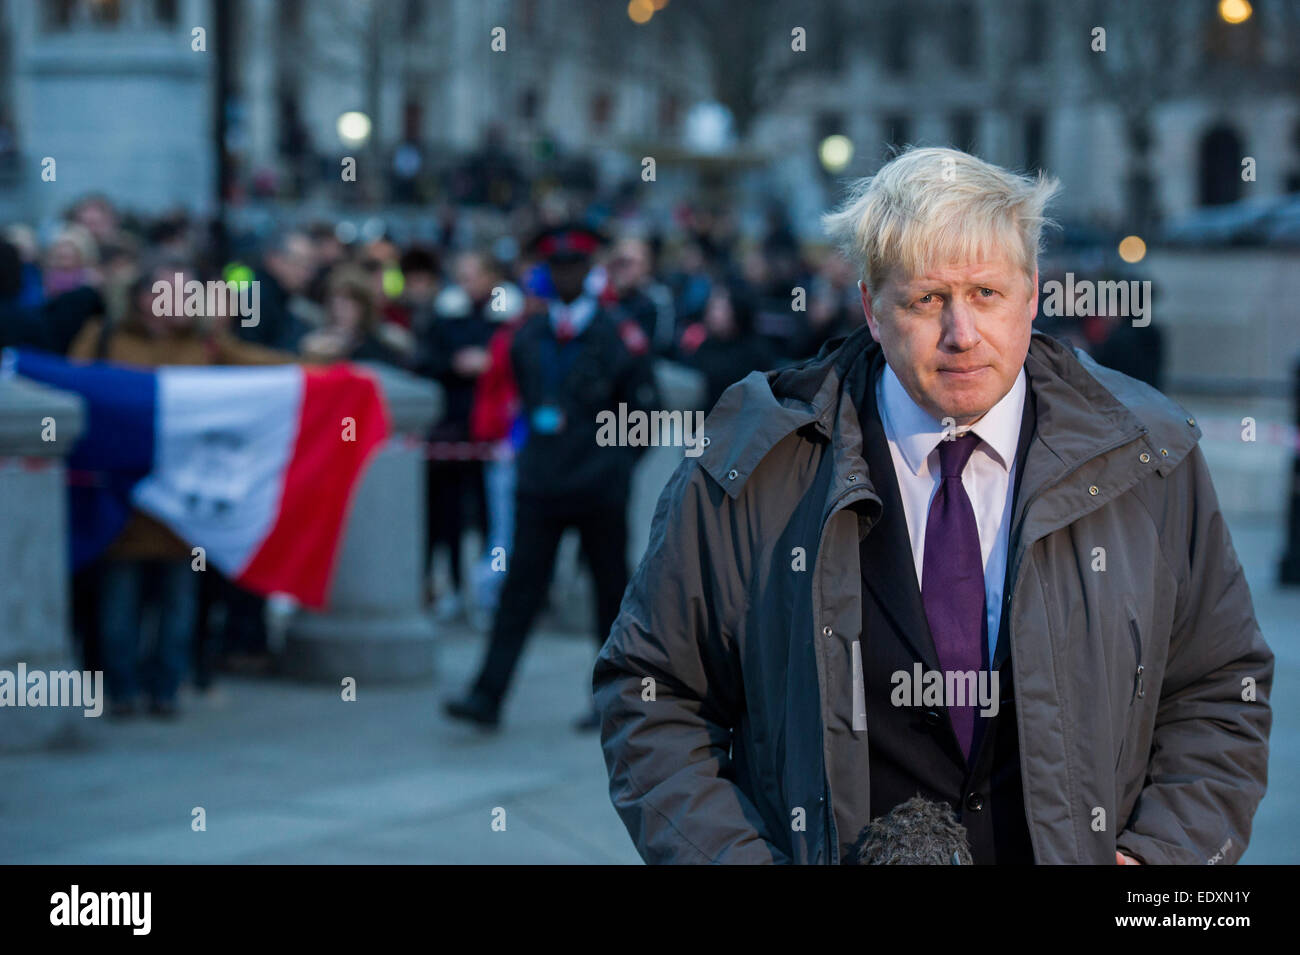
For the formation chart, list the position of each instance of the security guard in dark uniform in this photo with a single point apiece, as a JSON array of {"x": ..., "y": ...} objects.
[{"x": 571, "y": 361}]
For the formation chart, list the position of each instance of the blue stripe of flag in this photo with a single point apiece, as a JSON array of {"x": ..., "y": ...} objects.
[{"x": 116, "y": 445}]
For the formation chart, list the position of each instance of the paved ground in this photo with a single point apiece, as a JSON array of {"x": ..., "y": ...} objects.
[{"x": 290, "y": 773}]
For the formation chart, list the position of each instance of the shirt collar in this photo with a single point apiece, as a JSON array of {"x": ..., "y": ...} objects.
[
  {"x": 917, "y": 432},
  {"x": 579, "y": 312}
]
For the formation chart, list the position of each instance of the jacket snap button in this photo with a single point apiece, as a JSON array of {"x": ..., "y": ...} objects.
[
  {"x": 1144, "y": 457},
  {"x": 974, "y": 803},
  {"x": 931, "y": 717},
  {"x": 704, "y": 442},
  {"x": 1093, "y": 490},
  {"x": 852, "y": 478},
  {"x": 1192, "y": 422},
  {"x": 732, "y": 474},
  {"x": 826, "y": 631},
  {"x": 1164, "y": 453}
]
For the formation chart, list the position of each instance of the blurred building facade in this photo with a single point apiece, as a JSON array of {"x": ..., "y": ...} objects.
[
  {"x": 114, "y": 95},
  {"x": 1155, "y": 125}
]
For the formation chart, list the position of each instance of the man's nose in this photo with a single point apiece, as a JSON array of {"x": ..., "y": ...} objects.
[{"x": 959, "y": 331}]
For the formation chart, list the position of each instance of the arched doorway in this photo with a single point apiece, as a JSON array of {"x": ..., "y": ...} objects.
[{"x": 1221, "y": 155}]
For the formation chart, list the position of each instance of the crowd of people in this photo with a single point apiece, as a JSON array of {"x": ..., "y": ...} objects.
[
  {"x": 502, "y": 461},
  {"x": 448, "y": 309}
]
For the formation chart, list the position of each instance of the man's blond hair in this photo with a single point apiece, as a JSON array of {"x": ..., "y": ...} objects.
[{"x": 933, "y": 206}]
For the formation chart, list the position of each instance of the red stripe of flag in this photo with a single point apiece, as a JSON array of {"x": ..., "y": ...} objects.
[{"x": 298, "y": 555}]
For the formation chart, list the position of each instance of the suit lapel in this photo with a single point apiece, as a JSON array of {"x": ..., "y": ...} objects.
[{"x": 887, "y": 565}]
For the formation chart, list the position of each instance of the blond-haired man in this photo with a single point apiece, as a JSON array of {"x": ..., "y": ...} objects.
[{"x": 949, "y": 556}]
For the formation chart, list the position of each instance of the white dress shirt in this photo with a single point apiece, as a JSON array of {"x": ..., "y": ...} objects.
[
  {"x": 579, "y": 312},
  {"x": 989, "y": 476}
]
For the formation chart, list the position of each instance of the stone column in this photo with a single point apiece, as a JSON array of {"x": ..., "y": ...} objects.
[
  {"x": 375, "y": 629},
  {"x": 34, "y": 594},
  {"x": 681, "y": 388}
]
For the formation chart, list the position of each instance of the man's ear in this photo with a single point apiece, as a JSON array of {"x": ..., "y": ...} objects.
[
  {"x": 872, "y": 321},
  {"x": 1033, "y": 297}
]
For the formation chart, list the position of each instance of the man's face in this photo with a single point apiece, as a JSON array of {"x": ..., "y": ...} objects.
[
  {"x": 568, "y": 275},
  {"x": 292, "y": 266},
  {"x": 630, "y": 264},
  {"x": 420, "y": 287},
  {"x": 956, "y": 336},
  {"x": 473, "y": 277}
]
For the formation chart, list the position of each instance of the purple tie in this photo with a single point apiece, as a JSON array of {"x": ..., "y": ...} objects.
[{"x": 952, "y": 580}]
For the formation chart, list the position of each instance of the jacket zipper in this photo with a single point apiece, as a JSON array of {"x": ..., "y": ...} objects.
[{"x": 1139, "y": 690}]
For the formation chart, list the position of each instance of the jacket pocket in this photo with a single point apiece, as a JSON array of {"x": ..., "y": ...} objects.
[
  {"x": 1139, "y": 687},
  {"x": 1139, "y": 690},
  {"x": 859, "y": 691}
]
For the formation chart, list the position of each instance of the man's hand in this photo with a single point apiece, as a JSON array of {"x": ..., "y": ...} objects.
[{"x": 1121, "y": 859}]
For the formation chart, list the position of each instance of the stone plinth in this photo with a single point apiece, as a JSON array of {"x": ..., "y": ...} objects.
[{"x": 375, "y": 628}]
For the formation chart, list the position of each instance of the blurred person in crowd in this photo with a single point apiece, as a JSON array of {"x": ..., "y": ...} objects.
[
  {"x": 96, "y": 214},
  {"x": 724, "y": 345},
  {"x": 381, "y": 258},
  {"x": 288, "y": 261},
  {"x": 119, "y": 268},
  {"x": 352, "y": 324},
  {"x": 51, "y": 325},
  {"x": 690, "y": 284},
  {"x": 70, "y": 261},
  {"x": 833, "y": 307},
  {"x": 639, "y": 295},
  {"x": 1113, "y": 339},
  {"x": 171, "y": 236},
  {"x": 147, "y": 567},
  {"x": 774, "y": 273},
  {"x": 328, "y": 251},
  {"x": 421, "y": 282},
  {"x": 1061, "y": 327},
  {"x": 31, "y": 289},
  {"x": 495, "y": 419},
  {"x": 451, "y": 227},
  {"x": 142, "y": 337},
  {"x": 454, "y": 353},
  {"x": 779, "y": 238},
  {"x": 393, "y": 319},
  {"x": 571, "y": 362},
  {"x": 26, "y": 319}
]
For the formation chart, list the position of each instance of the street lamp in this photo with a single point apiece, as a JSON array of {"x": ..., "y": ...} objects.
[
  {"x": 1235, "y": 11},
  {"x": 1132, "y": 249},
  {"x": 354, "y": 128},
  {"x": 835, "y": 152}
]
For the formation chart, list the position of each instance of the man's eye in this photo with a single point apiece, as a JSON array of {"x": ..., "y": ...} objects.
[
  {"x": 987, "y": 292},
  {"x": 926, "y": 299}
]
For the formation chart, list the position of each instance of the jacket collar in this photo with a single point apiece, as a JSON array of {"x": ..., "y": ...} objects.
[{"x": 1084, "y": 410}]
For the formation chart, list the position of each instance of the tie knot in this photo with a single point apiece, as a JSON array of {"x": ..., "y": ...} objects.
[{"x": 954, "y": 453}]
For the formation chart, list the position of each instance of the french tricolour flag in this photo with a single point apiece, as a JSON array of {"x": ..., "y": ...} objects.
[{"x": 256, "y": 465}]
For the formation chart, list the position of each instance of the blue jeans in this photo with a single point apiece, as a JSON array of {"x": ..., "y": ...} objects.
[
  {"x": 499, "y": 487},
  {"x": 130, "y": 587}
]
